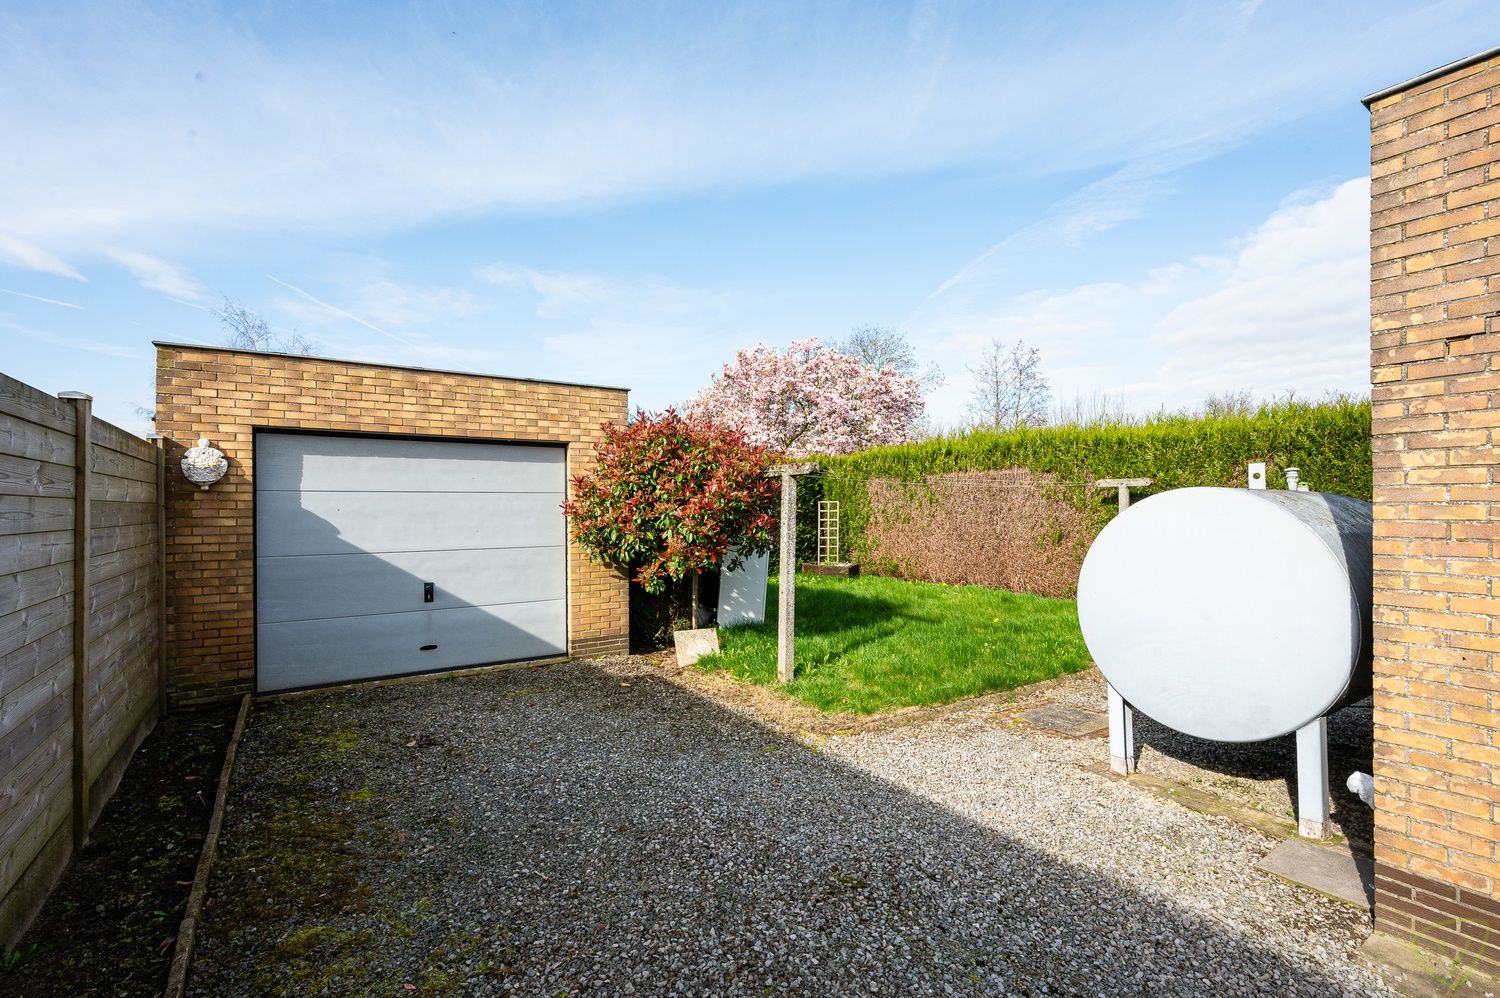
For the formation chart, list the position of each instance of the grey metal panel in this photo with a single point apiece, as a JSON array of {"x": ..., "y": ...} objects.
[
  {"x": 300, "y": 523},
  {"x": 315, "y": 652},
  {"x": 302, "y": 463},
  {"x": 742, "y": 593},
  {"x": 341, "y": 585},
  {"x": 348, "y": 529}
]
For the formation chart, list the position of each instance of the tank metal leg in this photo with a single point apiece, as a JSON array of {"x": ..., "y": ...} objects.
[
  {"x": 1121, "y": 734},
  {"x": 1312, "y": 779}
]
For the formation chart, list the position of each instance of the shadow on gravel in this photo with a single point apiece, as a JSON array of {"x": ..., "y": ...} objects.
[
  {"x": 1350, "y": 748},
  {"x": 592, "y": 829}
]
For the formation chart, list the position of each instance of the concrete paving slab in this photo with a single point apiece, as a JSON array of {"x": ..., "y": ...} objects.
[
  {"x": 693, "y": 644},
  {"x": 1336, "y": 872},
  {"x": 1065, "y": 719}
]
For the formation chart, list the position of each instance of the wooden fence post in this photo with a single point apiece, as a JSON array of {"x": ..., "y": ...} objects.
[
  {"x": 161, "y": 576},
  {"x": 83, "y": 411}
]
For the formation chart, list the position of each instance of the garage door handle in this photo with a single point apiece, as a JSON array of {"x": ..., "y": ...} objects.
[{"x": 427, "y": 592}]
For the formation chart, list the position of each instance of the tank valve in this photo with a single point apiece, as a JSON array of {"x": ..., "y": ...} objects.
[
  {"x": 1364, "y": 785},
  {"x": 1292, "y": 475}
]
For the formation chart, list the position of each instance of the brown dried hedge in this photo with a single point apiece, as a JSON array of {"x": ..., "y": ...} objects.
[{"x": 1013, "y": 529}]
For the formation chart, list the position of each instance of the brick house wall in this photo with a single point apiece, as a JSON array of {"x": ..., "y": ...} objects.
[
  {"x": 225, "y": 394},
  {"x": 1435, "y": 363}
]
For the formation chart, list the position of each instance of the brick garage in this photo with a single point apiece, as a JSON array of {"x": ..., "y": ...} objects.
[
  {"x": 1435, "y": 360},
  {"x": 228, "y": 395}
]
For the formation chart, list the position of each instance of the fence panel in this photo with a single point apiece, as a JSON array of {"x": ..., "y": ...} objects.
[{"x": 47, "y": 545}]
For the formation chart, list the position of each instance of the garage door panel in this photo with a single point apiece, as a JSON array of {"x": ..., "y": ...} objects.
[
  {"x": 341, "y": 585},
  {"x": 348, "y": 530},
  {"x": 293, "y": 654},
  {"x": 292, "y": 523},
  {"x": 296, "y": 462}
]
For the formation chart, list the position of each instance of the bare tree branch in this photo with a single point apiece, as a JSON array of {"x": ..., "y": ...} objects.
[
  {"x": 1011, "y": 390},
  {"x": 247, "y": 329}
]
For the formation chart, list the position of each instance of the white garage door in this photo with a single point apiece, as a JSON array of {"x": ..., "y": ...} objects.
[{"x": 377, "y": 556}]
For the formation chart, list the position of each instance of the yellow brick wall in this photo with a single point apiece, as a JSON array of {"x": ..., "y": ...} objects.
[
  {"x": 1435, "y": 361},
  {"x": 225, "y": 395}
]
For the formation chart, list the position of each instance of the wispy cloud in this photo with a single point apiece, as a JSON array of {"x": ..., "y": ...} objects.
[
  {"x": 18, "y": 252},
  {"x": 1285, "y": 309},
  {"x": 215, "y": 123},
  {"x": 45, "y": 301},
  {"x": 334, "y": 310},
  {"x": 1123, "y": 195},
  {"x": 595, "y": 328},
  {"x": 569, "y": 295},
  {"x": 404, "y": 306},
  {"x": 69, "y": 342},
  {"x": 159, "y": 275}
]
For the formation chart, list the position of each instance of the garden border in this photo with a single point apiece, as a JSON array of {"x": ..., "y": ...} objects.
[{"x": 182, "y": 957}]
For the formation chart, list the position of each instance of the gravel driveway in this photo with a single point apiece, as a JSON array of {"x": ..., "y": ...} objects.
[{"x": 594, "y": 828}]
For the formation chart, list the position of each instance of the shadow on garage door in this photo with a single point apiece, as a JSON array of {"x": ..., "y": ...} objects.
[{"x": 380, "y": 556}]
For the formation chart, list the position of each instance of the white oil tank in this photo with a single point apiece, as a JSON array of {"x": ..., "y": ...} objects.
[{"x": 1231, "y": 614}]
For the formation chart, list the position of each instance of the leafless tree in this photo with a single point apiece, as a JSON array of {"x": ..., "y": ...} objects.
[
  {"x": 879, "y": 347},
  {"x": 1224, "y": 404},
  {"x": 247, "y": 329},
  {"x": 1098, "y": 409},
  {"x": 1011, "y": 390}
]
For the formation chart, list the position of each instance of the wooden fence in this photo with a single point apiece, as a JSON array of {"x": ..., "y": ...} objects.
[{"x": 80, "y": 630}]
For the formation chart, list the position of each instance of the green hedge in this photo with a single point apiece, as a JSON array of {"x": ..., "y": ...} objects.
[{"x": 1328, "y": 441}]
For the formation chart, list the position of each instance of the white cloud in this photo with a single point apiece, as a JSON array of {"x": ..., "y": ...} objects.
[
  {"x": 199, "y": 120},
  {"x": 17, "y": 252},
  {"x": 159, "y": 275},
  {"x": 1291, "y": 312},
  {"x": 1286, "y": 309}
]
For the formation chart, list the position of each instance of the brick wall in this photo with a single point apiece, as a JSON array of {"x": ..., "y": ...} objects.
[
  {"x": 224, "y": 394},
  {"x": 1435, "y": 360}
]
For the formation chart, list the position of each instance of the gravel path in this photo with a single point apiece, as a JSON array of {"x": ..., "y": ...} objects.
[
  {"x": 594, "y": 828},
  {"x": 1261, "y": 775}
]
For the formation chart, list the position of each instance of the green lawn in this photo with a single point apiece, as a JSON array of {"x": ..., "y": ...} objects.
[{"x": 869, "y": 644}]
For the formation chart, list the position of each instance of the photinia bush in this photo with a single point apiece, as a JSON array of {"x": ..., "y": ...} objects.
[{"x": 669, "y": 495}]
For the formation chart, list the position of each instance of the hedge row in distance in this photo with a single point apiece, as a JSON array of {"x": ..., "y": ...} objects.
[{"x": 1328, "y": 441}]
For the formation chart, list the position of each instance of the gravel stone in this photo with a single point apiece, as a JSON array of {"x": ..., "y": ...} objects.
[{"x": 595, "y": 828}]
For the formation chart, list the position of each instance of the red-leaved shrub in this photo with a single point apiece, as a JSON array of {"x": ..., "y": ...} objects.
[{"x": 670, "y": 495}]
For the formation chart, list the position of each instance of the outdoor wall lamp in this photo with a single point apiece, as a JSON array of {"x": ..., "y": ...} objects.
[{"x": 203, "y": 465}]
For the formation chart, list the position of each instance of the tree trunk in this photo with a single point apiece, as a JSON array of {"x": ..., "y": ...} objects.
[{"x": 694, "y": 612}]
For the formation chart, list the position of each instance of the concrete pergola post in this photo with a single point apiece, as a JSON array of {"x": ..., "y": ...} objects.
[
  {"x": 786, "y": 603},
  {"x": 1124, "y": 485},
  {"x": 1121, "y": 717}
]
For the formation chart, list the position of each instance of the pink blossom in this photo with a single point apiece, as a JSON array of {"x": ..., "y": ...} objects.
[{"x": 810, "y": 400}]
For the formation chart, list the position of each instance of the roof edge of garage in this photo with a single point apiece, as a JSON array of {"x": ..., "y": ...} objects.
[
  {"x": 394, "y": 367},
  {"x": 1430, "y": 75}
]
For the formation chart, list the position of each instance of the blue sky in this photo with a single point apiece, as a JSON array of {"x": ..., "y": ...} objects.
[{"x": 1167, "y": 199}]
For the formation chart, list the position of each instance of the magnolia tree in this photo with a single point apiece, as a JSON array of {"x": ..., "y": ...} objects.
[
  {"x": 669, "y": 496},
  {"x": 810, "y": 400}
]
